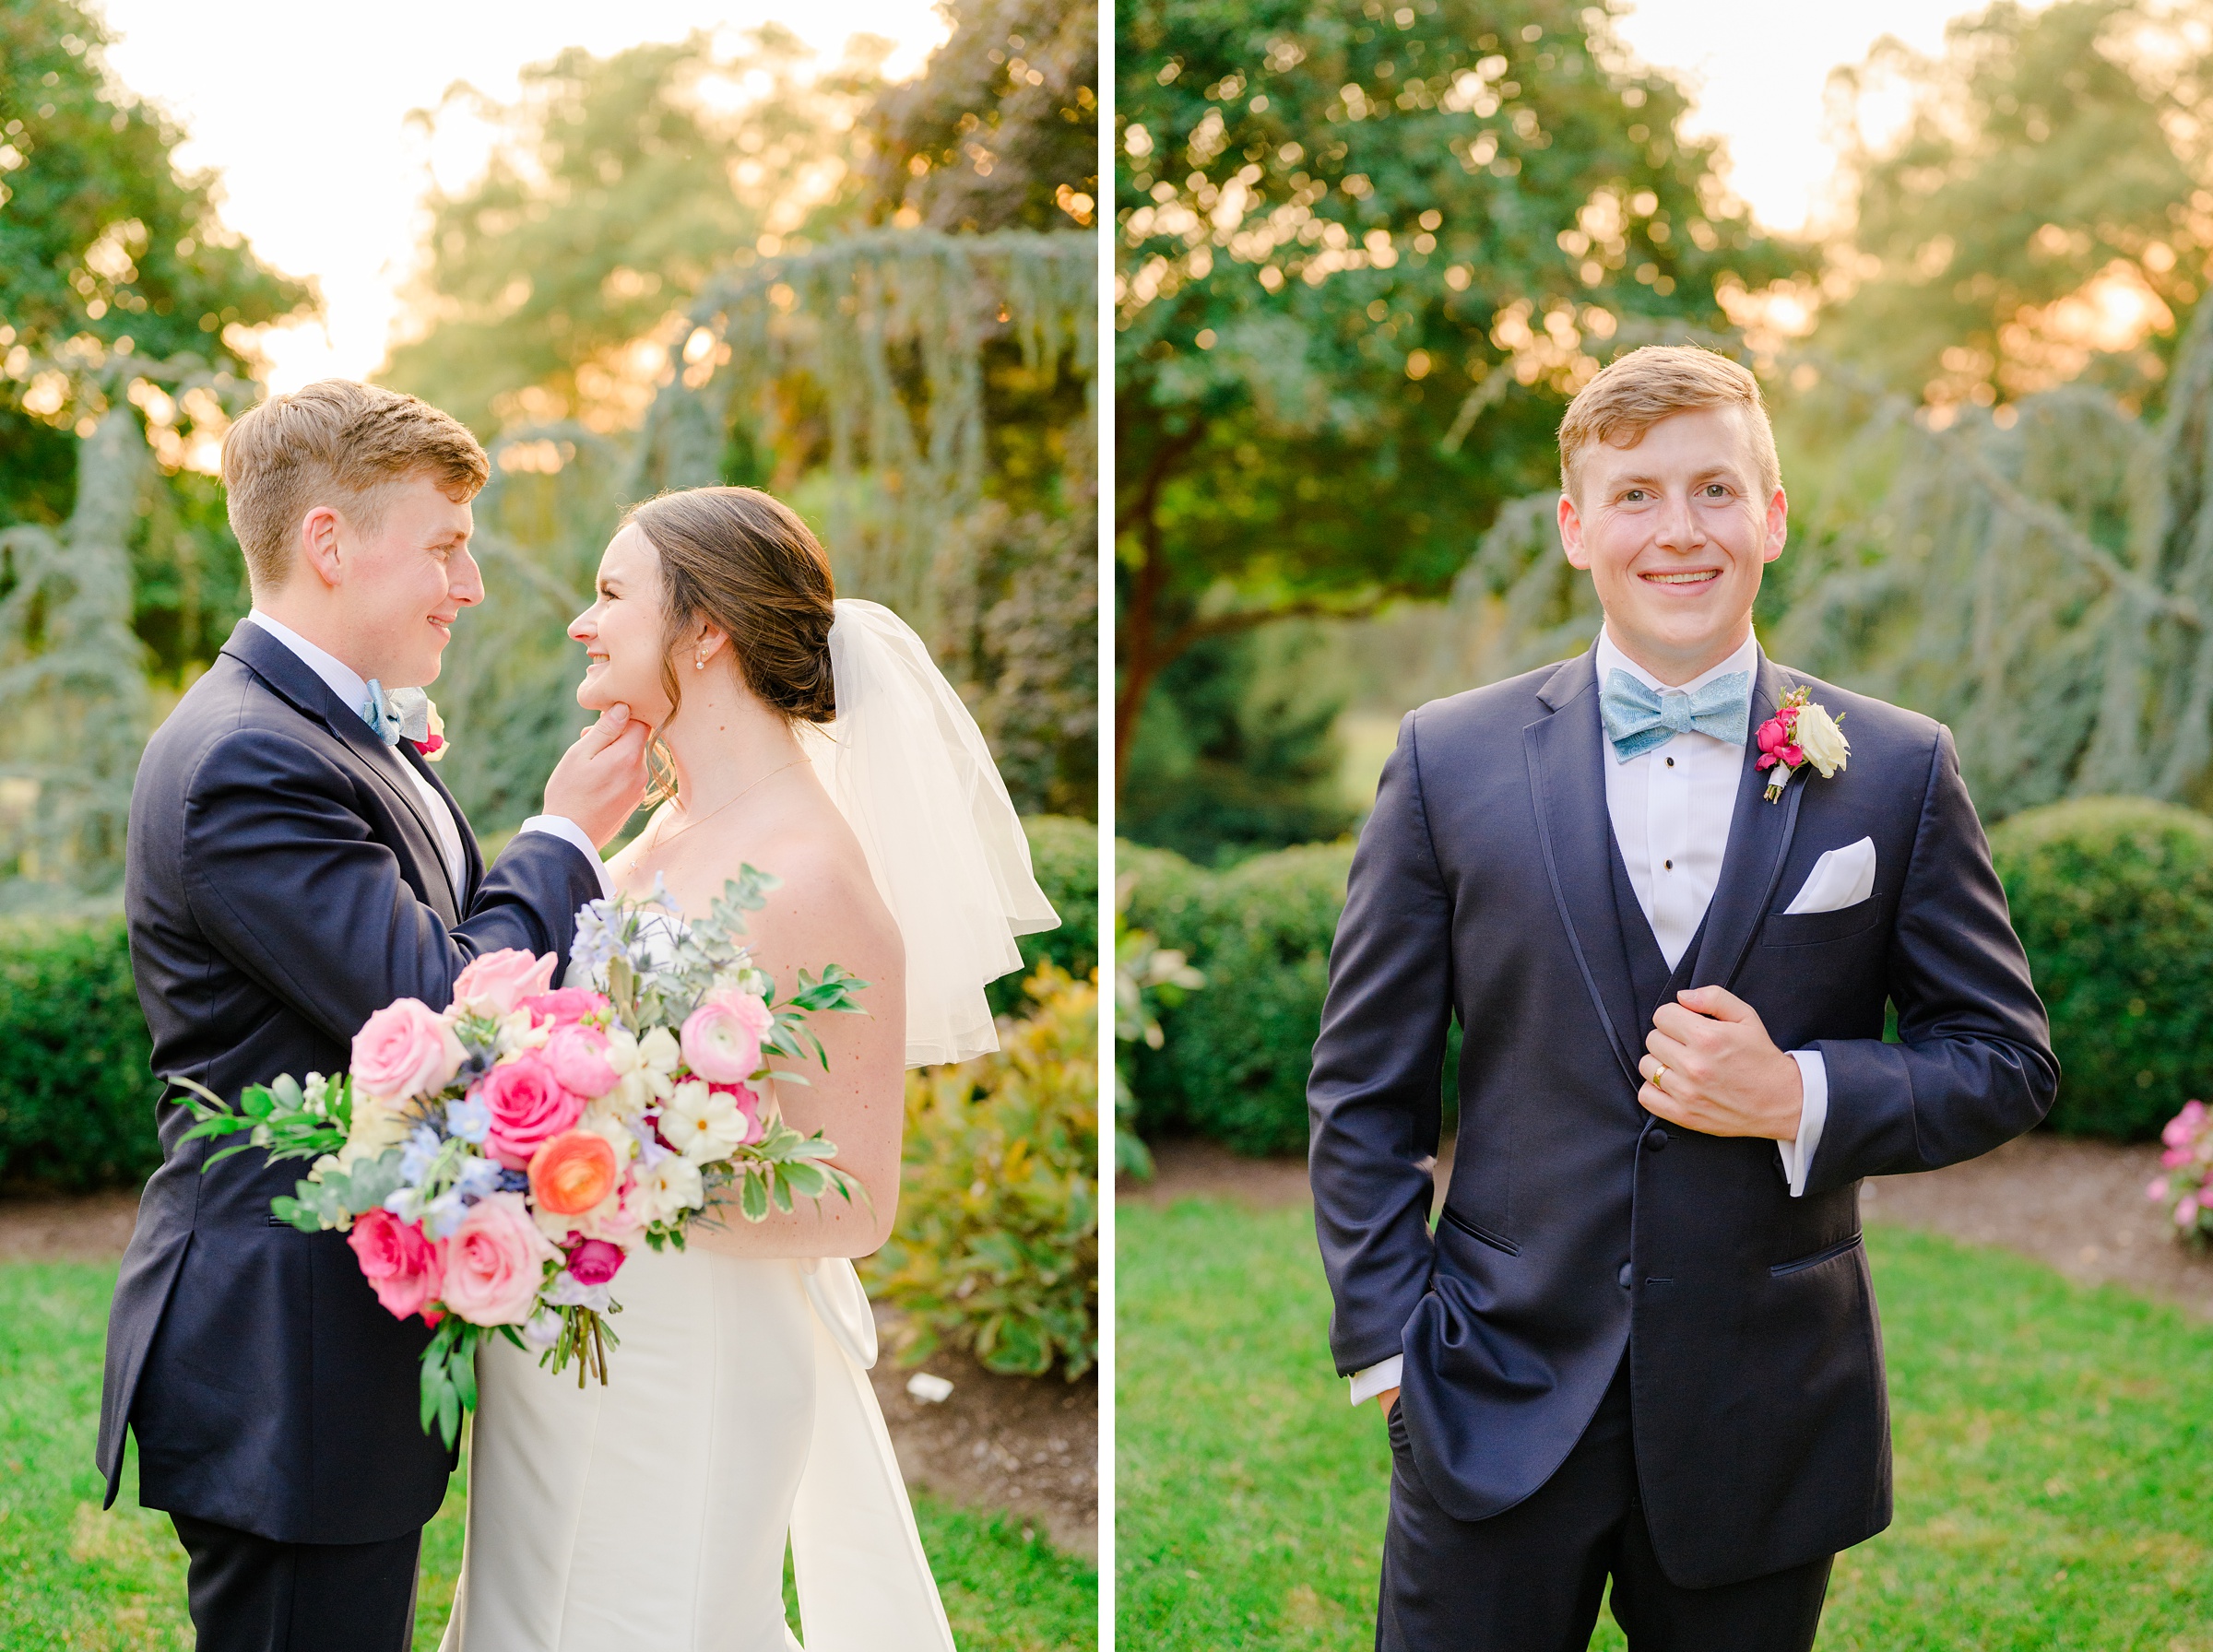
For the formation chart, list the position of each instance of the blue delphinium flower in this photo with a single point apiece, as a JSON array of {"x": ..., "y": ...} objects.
[
  {"x": 479, "y": 1177},
  {"x": 421, "y": 1148},
  {"x": 467, "y": 1118}
]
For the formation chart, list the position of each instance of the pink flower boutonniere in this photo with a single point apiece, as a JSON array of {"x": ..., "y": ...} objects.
[
  {"x": 1798, "y": 734},
  {"x": 432, "y": 745}
]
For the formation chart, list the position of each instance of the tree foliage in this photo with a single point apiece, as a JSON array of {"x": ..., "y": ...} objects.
[
  {"x": 1001, "y": 133},
  {"x": 923, "y": 397},
  {"x": 107, "y": 251},
  {"x": 1366, "y": 254},
  {"x": 2042, "y": 209},
  {"x": 618, "y": 186}
]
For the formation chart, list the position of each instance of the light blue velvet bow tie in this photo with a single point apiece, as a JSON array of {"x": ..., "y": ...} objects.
[
  {"x": 401, "y": 713},
  {"x": 1640, "y": 719}
]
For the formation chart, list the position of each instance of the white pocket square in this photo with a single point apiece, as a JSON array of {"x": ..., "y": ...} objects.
[{"x": 1839, "y": 879}]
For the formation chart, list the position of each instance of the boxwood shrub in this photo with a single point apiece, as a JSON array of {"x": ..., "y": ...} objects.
[
  {"x": 1064, "y": 853},
  {"x": 2112, "y": 898},
  {"x": 77, "y": 1093},
  {"x": 1235, "y": 1054}
]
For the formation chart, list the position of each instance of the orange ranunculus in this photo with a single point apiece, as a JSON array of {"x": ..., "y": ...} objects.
[{"x": 572, "y": 1172}]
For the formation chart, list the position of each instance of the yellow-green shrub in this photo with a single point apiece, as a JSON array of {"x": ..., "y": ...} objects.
[{"x": 997, "y": 1248}]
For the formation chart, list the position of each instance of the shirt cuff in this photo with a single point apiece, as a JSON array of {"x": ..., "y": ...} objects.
[
  {"x": 1373, "y": 1381},
  {"x": 1813, "y": 1113},
  {"x": 562, "y": 827}
]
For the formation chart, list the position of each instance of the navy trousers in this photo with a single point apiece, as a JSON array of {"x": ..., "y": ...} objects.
[
  {"x": 252, "y": 1594},
  {"x": 1530, "y": 1579}
]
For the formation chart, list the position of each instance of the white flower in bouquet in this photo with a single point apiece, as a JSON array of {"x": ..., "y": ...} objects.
[
  {"x": 659, "y": 1051},
  {"x": 521, "y": 1031},
  {"x": 375, "y": 1127},
  {"x": 670, "y": 1188},
  {"x": 702, "y": 1122}
]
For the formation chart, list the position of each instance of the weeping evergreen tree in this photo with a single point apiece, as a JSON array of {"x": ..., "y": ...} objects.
[
  {"x": 2040, "y": 577},
  {"x": 73, "y": 693},
  {"x": 883, "y": 384}
]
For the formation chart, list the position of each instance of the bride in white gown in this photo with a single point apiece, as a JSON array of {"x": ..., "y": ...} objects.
[{"x": 654, "y": 1513}]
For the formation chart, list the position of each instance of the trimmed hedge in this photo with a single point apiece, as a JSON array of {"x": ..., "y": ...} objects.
[
  {"x": 76, "y": 1089},
  {"x": 2112, "y": 898},
  {"x": 76, "y": 1092},
  {"x": 1233, "y": 1063},
  {"x": 1064, "y": 853}
]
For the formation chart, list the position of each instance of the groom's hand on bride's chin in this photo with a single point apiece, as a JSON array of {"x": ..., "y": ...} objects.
[
  {"x": 600, "y": 780},
  {"x": 1724, "y": 1075}
]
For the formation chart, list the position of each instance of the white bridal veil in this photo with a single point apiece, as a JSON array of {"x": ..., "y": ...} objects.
[{"x": 908, "y": 768}]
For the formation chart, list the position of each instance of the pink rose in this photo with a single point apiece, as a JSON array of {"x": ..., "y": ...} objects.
[
  {"x": 2185, "y": 1213},
  {"x": 594, "y": 1262},
  {"x": 2175, "y": 1157},
  {"x": 404, "y": 1050},
  {"x": 578, "y": 1057},
  {"x": 398, "y": 1260},
  {"x": 722, "y": 1038},
  {"x": 528, "y": 1106},
  {"x": 748, "y": 1101},
  {"x": 495, "y": 1262},
  {"x": 564, "y": 1005},
  {"x": 1772, "y": 733},
  {"x": 498, "y": 981}
]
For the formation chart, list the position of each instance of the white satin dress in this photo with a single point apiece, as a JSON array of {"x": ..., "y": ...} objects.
[{"x": 653, "y": 1513}]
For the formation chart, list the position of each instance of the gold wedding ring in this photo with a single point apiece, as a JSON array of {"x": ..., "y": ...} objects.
[{"x": 1658, "y": 1073}]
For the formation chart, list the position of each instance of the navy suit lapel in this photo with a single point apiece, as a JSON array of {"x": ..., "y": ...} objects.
[
  {"x": 1565, "y": 752},
  {"x": 287, "y": 673},
  {"x": 1759, "y": 840}
]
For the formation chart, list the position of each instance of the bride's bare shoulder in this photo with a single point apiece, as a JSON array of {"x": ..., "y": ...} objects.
[{"x": 826, "y": 905}]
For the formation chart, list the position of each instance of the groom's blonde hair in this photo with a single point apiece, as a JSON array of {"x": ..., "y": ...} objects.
[
  {"x": 1655, "y": 383},
  {"x": 341, "y": 444}
]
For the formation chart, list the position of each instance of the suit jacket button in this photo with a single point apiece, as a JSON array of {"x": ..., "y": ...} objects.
[
  {"x": 1625, "y": 1275},
  {"x": 1655, "y": 1139}
]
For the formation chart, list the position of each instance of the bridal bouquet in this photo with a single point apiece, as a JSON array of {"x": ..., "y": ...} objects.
[{"x": 494, "y": 1163}]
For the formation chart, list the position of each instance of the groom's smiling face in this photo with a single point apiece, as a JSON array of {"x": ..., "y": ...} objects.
[{"x": 1674, "y": 532}]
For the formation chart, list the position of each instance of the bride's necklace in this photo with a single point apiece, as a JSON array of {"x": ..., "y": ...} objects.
[{"x": 662, "y": 839}]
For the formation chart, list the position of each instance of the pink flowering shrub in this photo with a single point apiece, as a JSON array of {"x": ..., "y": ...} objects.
[{"x": 2186, "y": 1188}]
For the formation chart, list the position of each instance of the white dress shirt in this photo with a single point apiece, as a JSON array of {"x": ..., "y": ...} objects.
[
  {"x": 1670, "y": 808},
  {"x": 353, "y": 691}
]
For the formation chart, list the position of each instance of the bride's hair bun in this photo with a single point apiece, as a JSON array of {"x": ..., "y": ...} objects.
[{"x": 746, "y": 563}]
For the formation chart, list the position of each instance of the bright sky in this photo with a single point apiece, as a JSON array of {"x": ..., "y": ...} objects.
[
  {"x": 303, "y": 110},
  {"x": 1757, "y": 70}
]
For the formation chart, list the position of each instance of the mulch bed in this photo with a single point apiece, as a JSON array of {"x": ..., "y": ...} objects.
[
  {"x": 1027, "y": 1445},
  {"x": 2078, "y": 1207}
]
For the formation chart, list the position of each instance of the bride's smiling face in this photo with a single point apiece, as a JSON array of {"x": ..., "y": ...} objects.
[{"x": 623, "y": 633}]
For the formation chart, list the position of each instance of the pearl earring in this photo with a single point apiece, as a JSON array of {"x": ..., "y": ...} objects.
[{"x": 699, "y": 663}]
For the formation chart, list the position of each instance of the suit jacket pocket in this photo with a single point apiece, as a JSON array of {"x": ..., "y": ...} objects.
[
  {"x": 1828, "y": 1253},
  {"x": 1811, "y": 928},
  {"x": 1496, "y": 1241}
]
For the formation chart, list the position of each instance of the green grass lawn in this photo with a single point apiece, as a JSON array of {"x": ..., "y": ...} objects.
[
  {"x": 73, "y": 1578},
  {"x": 2054, "y": 1455}
]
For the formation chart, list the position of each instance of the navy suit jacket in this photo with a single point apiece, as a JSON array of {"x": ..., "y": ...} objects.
[
  {"x": 1483, "y": 889},
  {"x": 284, "y": 884}
]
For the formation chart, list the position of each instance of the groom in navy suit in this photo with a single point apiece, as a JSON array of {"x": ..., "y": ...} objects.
[
  {"x": 1640, "y": 1342},
  {"x": 294, "y": 866}
]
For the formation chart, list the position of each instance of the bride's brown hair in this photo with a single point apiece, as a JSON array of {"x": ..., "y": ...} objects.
[{"x": 746, "y": 564}]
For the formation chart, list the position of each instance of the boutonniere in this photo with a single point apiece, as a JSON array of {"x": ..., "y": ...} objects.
[
  {"x": 415, "y": 714},
  {"x": 432, "y": 745},
  {"x": 1798, "y": 734}
]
